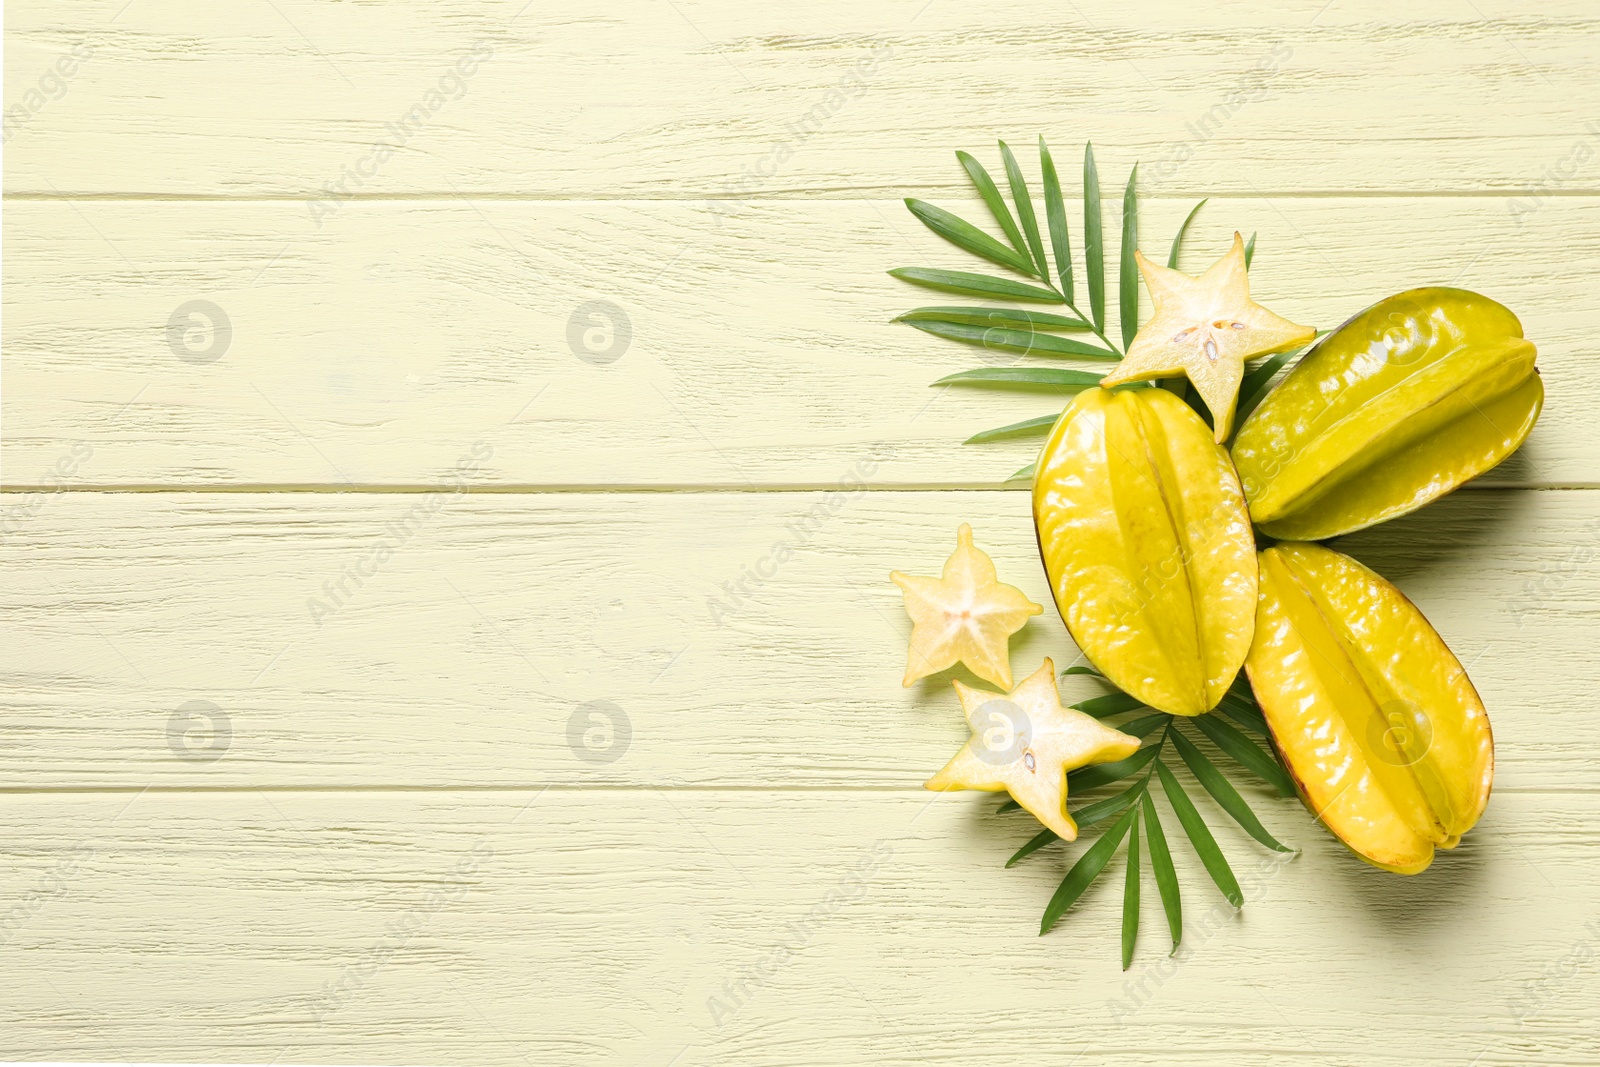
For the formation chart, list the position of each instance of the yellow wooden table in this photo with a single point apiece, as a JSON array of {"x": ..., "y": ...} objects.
[{"x": 404, "y": 405}]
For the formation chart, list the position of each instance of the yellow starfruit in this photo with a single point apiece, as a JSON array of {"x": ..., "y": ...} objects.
[
  {"x": 1146, "y": 541},
  {"x": 1397, "y": 407},
  {"x": 1377, "y": 721},
  {"x": 966, "y": 615},
  {"x": 1025, "y": 742}
]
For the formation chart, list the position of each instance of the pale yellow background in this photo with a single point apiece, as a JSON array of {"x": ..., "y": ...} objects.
[{"x": 396, "y": 855}]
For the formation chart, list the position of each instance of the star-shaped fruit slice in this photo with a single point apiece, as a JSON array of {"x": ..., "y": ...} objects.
[
  {"x": 966, "y": 616},
  {"x": 1205, "y": 328},
  {"x": 1025, "y": 742}
]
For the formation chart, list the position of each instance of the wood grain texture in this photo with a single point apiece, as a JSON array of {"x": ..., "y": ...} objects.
[
  {"x": 650, "y": 927},
  {"x": 379, "y": 350},
  {"x": 294, "y": 774},
  {"x": 344, "y": 650},
  {"x": 717, "y": 98}
]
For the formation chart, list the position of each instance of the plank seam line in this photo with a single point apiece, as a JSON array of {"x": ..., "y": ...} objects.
[
  {"x": 709, "y": 488},
  {"x": 789, "y": 195}
]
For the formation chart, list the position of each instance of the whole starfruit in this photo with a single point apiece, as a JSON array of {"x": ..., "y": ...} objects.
[
  {"x": 1410, "y": 398},
  {"x": 1377, "y": 721},
  {"x": 1146, "y": 540}
]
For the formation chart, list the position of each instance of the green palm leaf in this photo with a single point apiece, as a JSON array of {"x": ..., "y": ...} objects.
[
  {"x": 1110, "y": 704},
  {"x": 1094, "y": 252},
  {"x": 1205, "y": 845},
  {"x": 964, "y": 234},
  {"x": 1085, "y": 871},
  {"x": 1166, "y": 874},
  {"x": 1128, "y": 267},
  {"x": 1016, "y": 318},
  {"x": 969, "y": 284},
  {"x": 1177, "y": 242},
  {"x": 1245, "y": 752},
  {"x": 1055, "y": 213},
  {"x": 1024, "y": 473},
  {"x": 1100, "y": 774},
  {"x": 1008, "y": 340},
  {"x": 1024, "y": 201},
  {"x": 1249, "y": 251},
  {"x": 991, "y": 196},
  {"x": 1222, "y": 791},
  {"x": 1023, "y": 377},
  {"x": 1130, "y": 895},
  {"x": 1041, "y": 425}
]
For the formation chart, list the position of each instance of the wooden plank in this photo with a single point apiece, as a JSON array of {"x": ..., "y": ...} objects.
[
  {"x": 761, "y": 928},
  {"x": 383, "y": 350},
  {"x": 724, "y": 100},
  {"x": 748, "y": 639}
]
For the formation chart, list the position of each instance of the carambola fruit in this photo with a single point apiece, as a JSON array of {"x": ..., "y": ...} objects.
[
  {"x": 1377, "y": 721},
  {"x": 1397, "y": 407},
  {"x": 1147, "y": 544}
]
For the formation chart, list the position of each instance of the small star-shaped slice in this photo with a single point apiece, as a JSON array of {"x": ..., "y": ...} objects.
[
  {"x": 1025, "y": 742},
  {"x": 965, "y": 616},
  {"x": 1206, "y": 328}
]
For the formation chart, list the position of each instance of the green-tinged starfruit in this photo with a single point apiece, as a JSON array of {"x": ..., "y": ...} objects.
[
  {"x": 1147, "y": 544},
  {"x": 1376, "y": 719},
  {"x": 1400, "y": 405}
]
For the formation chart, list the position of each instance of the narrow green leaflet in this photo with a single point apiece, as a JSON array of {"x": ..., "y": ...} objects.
[
  {"x": 1086, "y": 816},
  {"x": 1094, "y": 251},
  {"x": 1110, "y": 704},
  {"x": 1016, "y": 318},
  {"x": 991, "y": 197},
  {"x": 1130, "y": 896},
  {"x": 1128, "y": 267},
  {"x": 1081, "y": 668},
  {"x": 1009, "y": 340},
  {"x": 1245, "y": 752},
  {"x": 1249, "y": 251},
  {"x": 1038, "y": 426},
  {"x": 1224, "y": 794},
  {"x": 965, "y": 235},
  {"x": 1101, "y": 774},
  {"x": 1085, "y": 871},
  {"x": 1024, "y": 473},
  {"x": 1101, "y": 810},
  {"x": 1177, "y": 242},
  {"x": 969, "y": 284},
  {"x": 1008, "y": 806},
  {"x": 1200, "y": 837},
  {"x": 1249, "y": 718},
  {"x": 1024, "y": 201},
  {"x": 1034, "y": 377},
  {"x": 1144, "y": 727},
  {"x": 1166, "y": 874},
  {"x": 1055, "y": 213},
  {"x": 1039, "y": 840}
]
